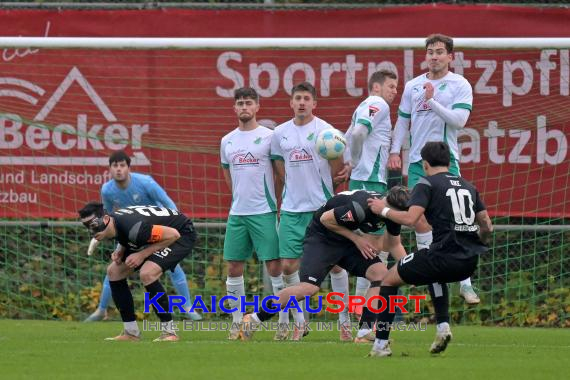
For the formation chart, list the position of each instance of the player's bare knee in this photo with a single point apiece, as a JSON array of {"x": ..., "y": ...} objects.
[
  {"x": 274, "y": 267},
  {"x": 290, "y": 266},
  {"x": 115, "y": 272},
  {"x": 235, "y": 268},
  {"x": 148, "y": 275},
  {"x": 376, "y": 272}
]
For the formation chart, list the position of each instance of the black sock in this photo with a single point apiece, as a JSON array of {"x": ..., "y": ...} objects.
[
  {"x": 153, "y": 289},
  {"x": 385, "y": 318},
  {"x": 440, "y": 298},
  {"x": 368, "y": 319},
  {"x": 266, "y": 315},
  {"x": 123, "y": 299}
]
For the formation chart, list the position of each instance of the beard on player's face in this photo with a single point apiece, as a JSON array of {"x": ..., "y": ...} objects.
[{"x": 245, "y": 117}]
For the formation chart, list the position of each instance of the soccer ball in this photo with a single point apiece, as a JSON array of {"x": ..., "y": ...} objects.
[{"x": 330, "y": 143}]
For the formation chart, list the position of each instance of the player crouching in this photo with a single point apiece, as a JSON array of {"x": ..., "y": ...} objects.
[{"x": 151, "y": 240}]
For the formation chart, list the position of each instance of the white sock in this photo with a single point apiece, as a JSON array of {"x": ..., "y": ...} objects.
[
  {"x": 379, "y": 343},
  {"x": 235, "y": 287},
  {"x": 424, "y": 240},
  {"x": 255, "y": 318},
  {"x": 132, "y": 328},
  {"x": 290, "y": 280},
  {"x": 278, "y": 285},
  {"x": 466, "y": 282},
  {"x": 383, "y": 255},
  {"x": 362, "y": 333},
  {"x": 362, "y": 286},
  {"x": 442, "y": 326},
  {"x": 339, "y": 283}
]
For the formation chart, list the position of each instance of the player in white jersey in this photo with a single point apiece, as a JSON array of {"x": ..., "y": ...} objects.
[
  {"x": 438, "y": 104},
  {"x": 308, "y": 184},
  {"x": 369, "y": 138},
  {"x": 252, "y": 223}
]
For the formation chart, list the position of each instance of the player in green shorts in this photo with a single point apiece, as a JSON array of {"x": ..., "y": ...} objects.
[
  {"x": 308, "y": 184},
  {"x": 437, "y": 104},
  {"x": 252, "y": 223},
  {"x": 369, "y": 139}
]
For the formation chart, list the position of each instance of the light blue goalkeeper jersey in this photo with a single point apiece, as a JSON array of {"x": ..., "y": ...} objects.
[{"x": 142, "y": 191}]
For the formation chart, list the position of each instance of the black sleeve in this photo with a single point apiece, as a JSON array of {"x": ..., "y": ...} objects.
[
  {"x": 140, "y": 233},
  {"x": 393, "y": 227},
  {"x": 421, "y": 194},
  {"x": 479, "y": 205}
]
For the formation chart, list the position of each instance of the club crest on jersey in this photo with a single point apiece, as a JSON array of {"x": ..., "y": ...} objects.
[
  {"x": 257, "y": 140},
  {"x": 372, "y": 111},
  {"x": 298, "y": 156},
  {"x": 442, "y": 86},
  {"x": 347, "y": 217},
  {"x": 311, "y": 136}
]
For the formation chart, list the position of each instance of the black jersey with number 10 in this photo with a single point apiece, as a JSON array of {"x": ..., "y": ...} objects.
[{"x": 451, "y": 204}]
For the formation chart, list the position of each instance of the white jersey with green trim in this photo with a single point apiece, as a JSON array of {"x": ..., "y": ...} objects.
[
  {"x": 374, "y": 114},
  {"x": 247, "y": 155},
  {"x": 452, "y": 91},
  {"x": 308, "y": 181}
]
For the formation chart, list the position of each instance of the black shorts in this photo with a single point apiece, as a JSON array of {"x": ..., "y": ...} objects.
[
  {"x": 320, "y": 255},
  {"x": 167, "y": 258},
  {"x": 426, "y": 267}
]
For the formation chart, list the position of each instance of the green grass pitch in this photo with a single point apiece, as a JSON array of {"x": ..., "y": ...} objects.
[{"x": 70, "y": 350}]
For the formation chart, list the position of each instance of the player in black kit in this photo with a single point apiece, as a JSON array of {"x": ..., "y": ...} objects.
[
  {"x": 461, "y": 229},
  {"x": 152, "y": 239},
  {"x": 337, "y": 235}
]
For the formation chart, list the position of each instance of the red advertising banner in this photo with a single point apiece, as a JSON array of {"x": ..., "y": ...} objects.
[{"x": 62, "y": 112}]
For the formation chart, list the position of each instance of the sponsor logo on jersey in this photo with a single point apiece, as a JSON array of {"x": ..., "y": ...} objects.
[
  {"x": 347, "y": 217},
  {"x": 423, "y": 106},
  {"x": 245, "y": 159},
  {"x": 300, "y": 156},
  {"x": 372, "y": 111}
]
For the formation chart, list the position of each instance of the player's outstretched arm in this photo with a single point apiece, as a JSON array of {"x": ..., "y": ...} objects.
[
  {"x": 485, "y": 226},
  {"x": 408, "y": 218}
]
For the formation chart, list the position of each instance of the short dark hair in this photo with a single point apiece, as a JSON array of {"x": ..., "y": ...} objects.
[
  {"x": 92, "y": 208},
  {"x": 380, "y": 77},
  {"x": 398, "y": 197},
  {"x": 305, "y": 86},
  {"x": 119, "y": 156},
  {"x": 447, "y": 41},
  {"x": 246, "y": 93},
  {"x": 436, "y": 153}
]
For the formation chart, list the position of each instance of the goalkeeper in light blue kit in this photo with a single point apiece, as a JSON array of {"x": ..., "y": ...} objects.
[{"x": 133, "y": 189}]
